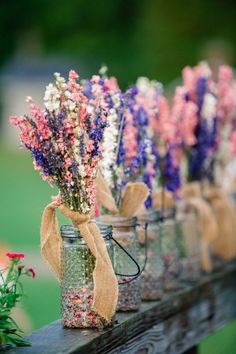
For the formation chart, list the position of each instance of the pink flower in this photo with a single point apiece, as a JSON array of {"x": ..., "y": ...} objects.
[
  {"x": 15, "y": 255},
  {"x": 185, "y": 116},
  {"x": 189, "y": 78},
  {"x": 73, "y": 75},
  {"x": 233, "y": 143},
  {"x": 226, "y": 92},
  {"x": 225, "y": 73},
  {"x": 82, "y": 114},
  {"x": 111, "y": 84},
  {"x": 17, "y": 121},
  {"x": 31, "y": 270},
  {"x": 96, "y": 209},
  {"x": 130, "y": 138},
  {"x": 167, "y": 126}
]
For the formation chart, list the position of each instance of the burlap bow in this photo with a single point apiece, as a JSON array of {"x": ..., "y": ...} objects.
[
  {"x": 206, "y": 220},
  {"x": 105, "y": 281},
  {"x": 134, "y": 196},
  {"x": 225, "y": 244},
  {"x": 163, "y": 199}
]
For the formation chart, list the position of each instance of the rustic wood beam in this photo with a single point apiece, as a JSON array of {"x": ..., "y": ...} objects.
[{"x": 174, "y": 325}]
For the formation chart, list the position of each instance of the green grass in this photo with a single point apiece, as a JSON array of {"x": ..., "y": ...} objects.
[
  {"x": 42, "y": 301},
  {"x": 23, "y": 197},
  {"x": 221, "y": 342}
]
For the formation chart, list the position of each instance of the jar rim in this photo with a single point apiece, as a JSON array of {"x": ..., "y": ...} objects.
[
  {"x": 151, "y": 215},
  {"x": 117, "y": 221},
  {"x": 70, "y": 231},
  {"x": 167, "y": 213},
  {"x": 104, "y": 228}
]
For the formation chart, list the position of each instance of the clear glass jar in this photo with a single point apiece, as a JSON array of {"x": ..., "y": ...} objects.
[
  {"x": 124, "y": 231},
  {"x": 77, "y": 265},
  {"x": 151, "y": 279},
  {"x": 189, "y": 245},
  {"x": 170, "y": 252}
]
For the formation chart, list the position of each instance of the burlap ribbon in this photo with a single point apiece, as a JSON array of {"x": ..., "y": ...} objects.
[
  {"x": 134, "y": 195},
  {"x": 206, "y": 221},
  {"x": 225, "y": 244},
  {"x": 105, "y": 281},
  {"x": 163, "y": 199}
]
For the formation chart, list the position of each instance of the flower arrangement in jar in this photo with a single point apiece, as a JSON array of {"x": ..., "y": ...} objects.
[
  {"x": 119, "y": 197},
  {"x": 65, "y": 142}
]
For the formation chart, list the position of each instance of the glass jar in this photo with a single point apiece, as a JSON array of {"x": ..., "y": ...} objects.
[
  {"x": 151, "y": 279},
  {"x": 170, "y": 252},
  {"x": 233, "y": 197},
  {"x": 189, "y": 245},
  {"x": 77, "y": 265},
  {"x": 124, "y": 232}
]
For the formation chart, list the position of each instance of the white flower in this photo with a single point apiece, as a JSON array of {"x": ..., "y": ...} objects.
[
  {"x": 90, "y": 109},
  {"x": 205, "y": 69},
  {"x": 67, "y": 94},
  {"x": 110, "y": 147},
  {"x": 60, "y": 80},
  {"x": 81, "y": 170},
  {"x": 149, "y": 88},
  {"x": 51, "y": 98},
  {"x": 52, "y": 106},
  {"x": 71, "y": 105},
  {"x": 143, "y": 84},
  {"x": 116, "y": 100},
  {"x": 209, "y": 107},
  {"x": 103, "y": 70}
]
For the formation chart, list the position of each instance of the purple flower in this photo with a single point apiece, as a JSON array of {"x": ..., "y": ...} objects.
[
  {"x": 141, "y": 118},
  {"x": 170, "y": 173},
  {"x": 87, "y": 89},
  {"x": 96, "y": 134}
]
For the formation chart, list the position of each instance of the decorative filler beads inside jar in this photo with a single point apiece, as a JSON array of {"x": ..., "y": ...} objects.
[
  {"x": 170, "y": 252},
  {"x": 151, "y": 278},
  {"x": 77, "y": 265},
  {"x": 188, "y": 241},
  {"x": 124, "y": 232}
]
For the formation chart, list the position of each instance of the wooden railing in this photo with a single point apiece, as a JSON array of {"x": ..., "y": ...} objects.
[{"x": 171, "y": 326}]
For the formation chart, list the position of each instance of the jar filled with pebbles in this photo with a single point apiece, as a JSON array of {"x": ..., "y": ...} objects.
[
  {"x": 149, "y": 236},
  {"x": 126, "y": 261},
  {"x": 170, "y": 250},
  {"x": 77, "y": 265},
  {"x": 189, "y": 245}
]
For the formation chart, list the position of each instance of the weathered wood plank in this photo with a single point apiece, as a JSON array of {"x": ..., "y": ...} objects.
[
  {"x": 193, "y": 350},
  {"x": 171, "y": 326}
]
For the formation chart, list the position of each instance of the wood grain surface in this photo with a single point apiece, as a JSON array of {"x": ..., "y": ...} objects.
[{"x": 172, "y": 326}]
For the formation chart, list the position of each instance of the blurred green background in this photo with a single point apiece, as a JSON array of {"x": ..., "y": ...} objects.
[{"x": 153, "y": 38}]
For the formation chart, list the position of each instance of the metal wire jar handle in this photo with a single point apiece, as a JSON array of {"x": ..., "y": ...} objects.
[{"x": 139, "y": 271}]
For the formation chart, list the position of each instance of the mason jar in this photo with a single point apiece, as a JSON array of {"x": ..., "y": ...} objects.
[
  {"x": 77, "y": 265},
  {"x": 189, "y": 245},
  {"x": 126, "y": 261},
  {"x": 170, "y": 252},
  {"x": 151, "y": 279}
]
